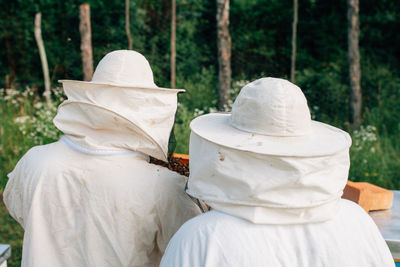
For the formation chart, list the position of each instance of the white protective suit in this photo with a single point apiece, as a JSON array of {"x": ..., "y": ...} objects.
[
  {"x": 217, "y": 239},
  {"x": 275, "y": 192},
  {"x": 93, "y": 198}
]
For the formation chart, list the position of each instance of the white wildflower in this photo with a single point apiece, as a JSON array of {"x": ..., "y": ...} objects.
[
  {"x": 198, "y": 112},
  {"x": 21, "y": 119},
  {"x": 363, "y": 136},
  {"x": 38, "y": 105},
  {"x": 12, "y": 92},
  {"x": 213, "y": 110}
]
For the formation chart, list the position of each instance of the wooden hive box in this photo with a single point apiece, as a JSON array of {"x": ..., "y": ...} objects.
[
  {"x": 368, "y": 196},
  {"x": 184, "y": 158}
]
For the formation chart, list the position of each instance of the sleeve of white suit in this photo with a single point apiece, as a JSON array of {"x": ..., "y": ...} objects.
[
  {"x": 184, "y": 251},
  {"x": 175, "y": 207},
  {"x": 13, "y": 195},
  {"x": 195, "y": 245}
]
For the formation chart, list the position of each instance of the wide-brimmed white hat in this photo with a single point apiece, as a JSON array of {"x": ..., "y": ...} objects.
[
  {"x": 121, "y": 107},
  {"x": 270, "y": 116},
  {"x": 124, "y": 68},
  {"x": 267, "y": 161}
]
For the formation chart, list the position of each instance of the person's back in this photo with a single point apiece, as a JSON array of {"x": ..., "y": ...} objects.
[
  {"x": 274, "y": 179},
  {"x": 95, "y": 208},
  {"x": 218, "y": 239},
  {"x": 93, "y": 198}
]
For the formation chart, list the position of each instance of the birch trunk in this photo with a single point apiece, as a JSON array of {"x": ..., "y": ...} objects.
[
  {"x": 173, "y": 43},
  {"x": 224, "y": 53},
  {"x": 127, "y": 25},
  {"x": 43, "y": 58},
  {"x": 86, "y": 42},
  {"x": 354, "y": 63},
  {"x": 294, "y": 38}
]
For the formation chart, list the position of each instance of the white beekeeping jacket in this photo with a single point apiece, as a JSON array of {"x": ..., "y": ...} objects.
[
  {"x": 90, "y": 199},
  {"x": 216, "y": 239},
  {"x": 267, "y": 211}
]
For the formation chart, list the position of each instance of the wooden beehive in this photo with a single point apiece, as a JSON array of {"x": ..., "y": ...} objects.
[
  {"x": 176, "y": 162},
  {"x": 370, "y": 197}
]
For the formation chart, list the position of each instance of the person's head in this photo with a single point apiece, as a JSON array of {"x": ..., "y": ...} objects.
[
  {"x": 267, "y": 161},
  {"x": 121, "y": 106}
]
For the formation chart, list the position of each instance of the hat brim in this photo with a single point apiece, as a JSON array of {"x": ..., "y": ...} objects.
[
  {"x": 324, "y": 139},
  {"x": 125, "y": 85}
]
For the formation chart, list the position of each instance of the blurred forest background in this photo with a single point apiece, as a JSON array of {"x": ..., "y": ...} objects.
[{"x": 261, "y": 45}]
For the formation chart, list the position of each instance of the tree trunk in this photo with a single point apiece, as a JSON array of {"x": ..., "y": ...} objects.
[
  {"x": 224, "y": 53},
  {"x": 43, "y": 58},
  {"x": 294, "y": 37},
  {"x": 354, "y": 63},
  {"x": 9, "y": 79},
  {"x": 86, "y": 42},
  {"x": 127, "y": 25},
  {"x": 173, "y": 42}
]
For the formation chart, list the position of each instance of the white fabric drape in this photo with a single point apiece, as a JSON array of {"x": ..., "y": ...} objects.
[
  {"x": 267, "y": 189},
  {"x": 99, "y": 208},
  {"x": 214, "y": 239}
]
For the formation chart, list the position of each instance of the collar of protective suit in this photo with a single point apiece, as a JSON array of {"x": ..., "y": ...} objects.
[
  {"x": 102, "y": 116},
  {"x": 267, "y": 189}
]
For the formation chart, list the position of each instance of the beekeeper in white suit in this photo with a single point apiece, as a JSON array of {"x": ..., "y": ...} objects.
[
  {"x": 274, "y": 179},
  {"x": 93, "y": 198}
]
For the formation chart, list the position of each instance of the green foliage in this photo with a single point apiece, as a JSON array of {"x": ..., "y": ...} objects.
[
  {"x": 25, "y": 122},
  {"x": 261, "y": 32},
  {"x": 375, "y": 158},
  {"x": 198, "y": 99},
  {"x": 200, "y": 88},
  {"x": 182, "y": 130},
  {"x": 381, "y": 97},
  {"x": 326, "y": 90}
]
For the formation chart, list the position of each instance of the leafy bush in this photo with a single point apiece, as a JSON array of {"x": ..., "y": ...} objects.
[
  {"x": 201, "y": 89},
  {"x": 374, "y": 158},
  {"x": 26, "y": 122},
  {"x": 327, "y": 94}
]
